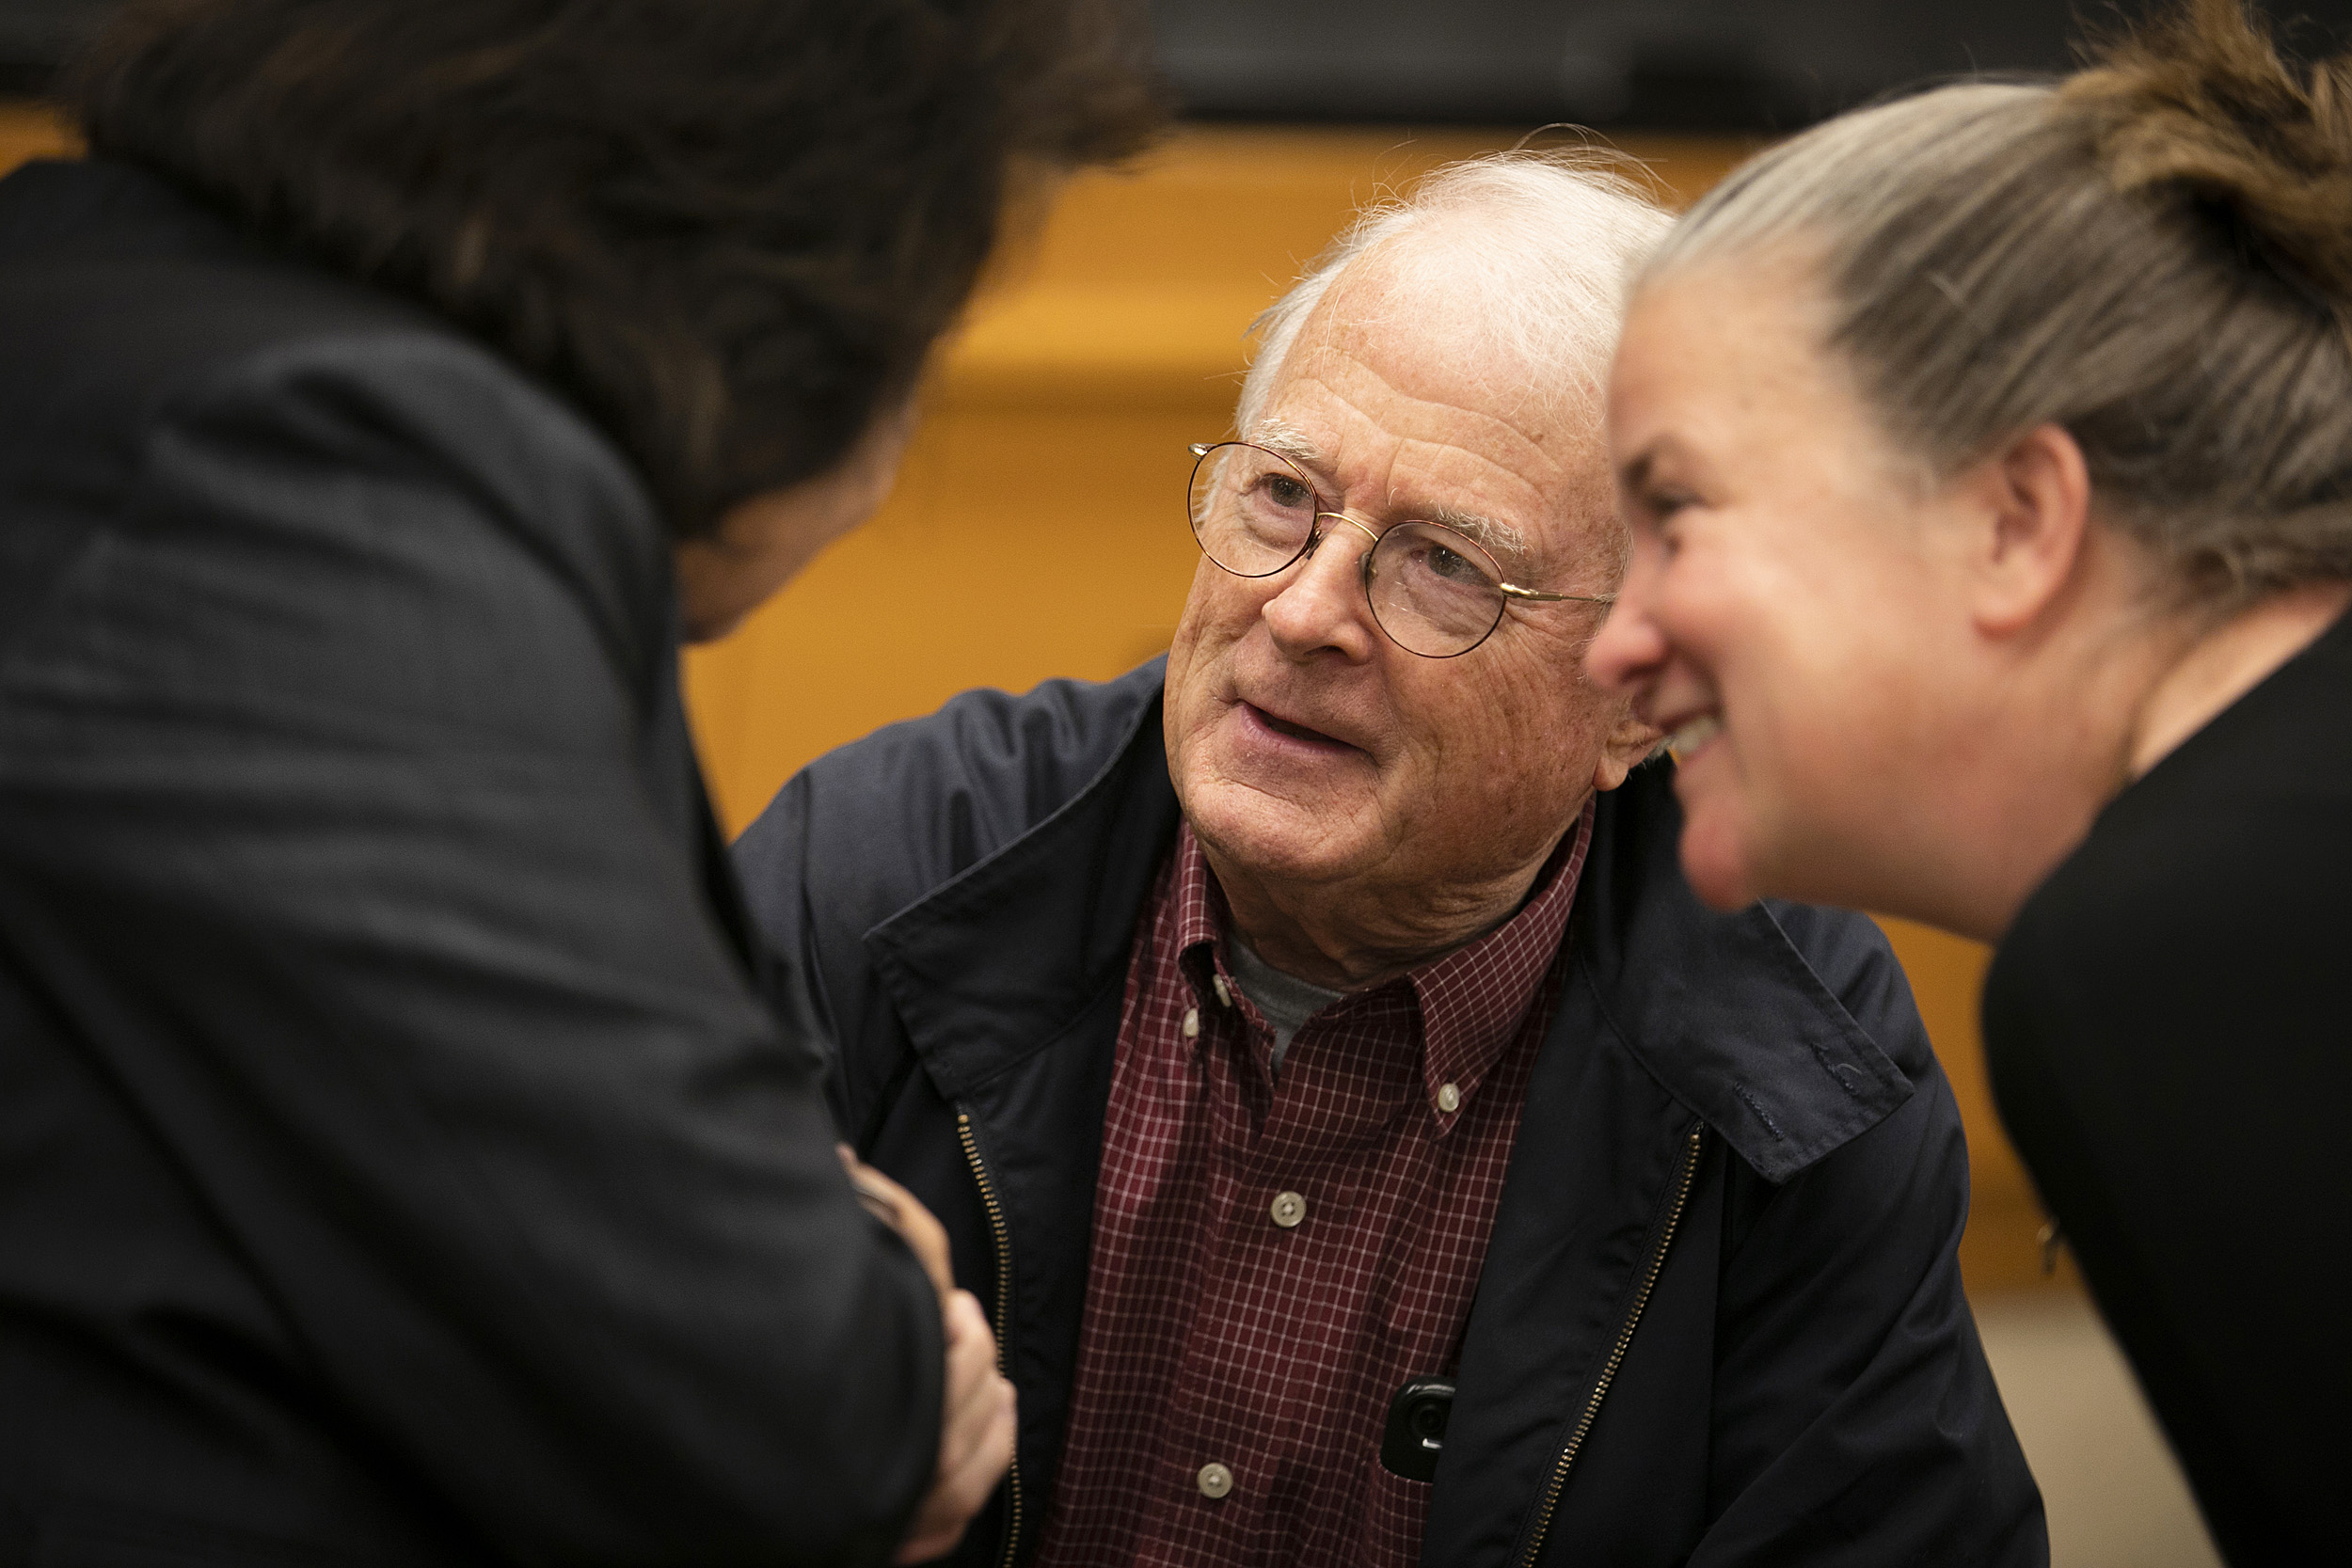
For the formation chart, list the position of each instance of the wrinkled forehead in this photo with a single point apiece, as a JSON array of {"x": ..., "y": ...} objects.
[{"x": 1402, "y": 396}]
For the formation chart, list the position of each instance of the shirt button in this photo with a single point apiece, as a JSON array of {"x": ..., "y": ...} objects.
[
  {"x": 1449, "y": 1098},
  {"x": 1224, "y": 992},
  {"x": 1289, "y": 1209},
  {"x": 1215, "y": 1481},
  {"x": 1192, "y": 1022}
]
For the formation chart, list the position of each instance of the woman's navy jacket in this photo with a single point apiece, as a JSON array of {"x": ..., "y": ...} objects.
[{"x": 1720, "y": 1319}]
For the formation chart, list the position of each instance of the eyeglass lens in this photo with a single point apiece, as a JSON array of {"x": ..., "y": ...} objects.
[
  {"x": 1252, "y": 510},
  {"x": 1432, "y": 588}
]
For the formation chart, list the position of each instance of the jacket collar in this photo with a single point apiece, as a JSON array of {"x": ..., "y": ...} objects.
[
  {"x": 1721, "y": 1010},
  {"x": 996, "y": 963}
]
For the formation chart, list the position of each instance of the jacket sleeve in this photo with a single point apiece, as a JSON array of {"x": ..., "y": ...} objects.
[
  {"x": 1856, "y": 1422},
  {"x": 344, "y": 825}
]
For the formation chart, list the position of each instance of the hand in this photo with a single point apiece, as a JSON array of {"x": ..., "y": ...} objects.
[
  {"x": 976, "y": 1419},
  {"x": 904, "y": 1212},
  {"x": 976, "y": 1434}
]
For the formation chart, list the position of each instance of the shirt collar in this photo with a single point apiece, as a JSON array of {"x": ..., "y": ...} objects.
[
  {"x": 1474, "y": 999},
  {"x": 1471, "y": 1001}
]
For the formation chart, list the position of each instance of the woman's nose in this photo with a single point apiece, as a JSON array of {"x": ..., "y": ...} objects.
[{"x": 1630, "y": 649}]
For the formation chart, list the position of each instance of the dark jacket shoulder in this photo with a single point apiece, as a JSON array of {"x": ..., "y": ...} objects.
[
  {"x": 143, "y": 326},
  {"x": 409, "y": 1171},
  {"x": 2165, "y": 1040},
  {"x": 884, "y": 820},
  {"x": 905, "y": 847}
]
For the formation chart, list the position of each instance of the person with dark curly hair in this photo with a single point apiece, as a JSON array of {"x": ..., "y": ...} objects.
[
  {"x": 1988, "y": 454},
  {"x": 400, "y": 1160}
]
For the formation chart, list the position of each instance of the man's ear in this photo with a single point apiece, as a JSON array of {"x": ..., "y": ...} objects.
[
  {"x": 1628, "y": 745},
  {"x": 2026, "y": 531}
]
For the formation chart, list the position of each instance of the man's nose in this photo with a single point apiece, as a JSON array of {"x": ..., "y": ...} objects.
[
  {"x": 1321, "y": 602},
  {"x": 1630, "y": 648}
]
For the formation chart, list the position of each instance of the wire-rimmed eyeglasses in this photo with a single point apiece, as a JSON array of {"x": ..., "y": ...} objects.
[{"x": 1432, "y": 589}]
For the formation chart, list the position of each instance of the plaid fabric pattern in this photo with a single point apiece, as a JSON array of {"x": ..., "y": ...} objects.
[{"x": 1215, "y": 1335}]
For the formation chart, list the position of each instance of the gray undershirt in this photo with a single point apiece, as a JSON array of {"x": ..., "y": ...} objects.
[{"x": 1287, "y": 1001}]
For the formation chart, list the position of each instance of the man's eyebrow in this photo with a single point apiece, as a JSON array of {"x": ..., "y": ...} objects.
[
  {"x": 1283, "y": 441},
  {"x": 1500, "y": 539}
]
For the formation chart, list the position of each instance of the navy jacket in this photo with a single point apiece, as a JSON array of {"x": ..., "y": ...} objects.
[
  {"x": 1720, "y": 1317},
  {"x": 397, "y": 1162}
]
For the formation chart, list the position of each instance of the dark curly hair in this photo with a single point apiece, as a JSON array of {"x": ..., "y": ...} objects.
[{"x": 730, "y": 230}]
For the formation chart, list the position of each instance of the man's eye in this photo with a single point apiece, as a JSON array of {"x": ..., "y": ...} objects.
[
  {"x": 1453, "y": 566},
  {"x": 1284, "y": 491}
]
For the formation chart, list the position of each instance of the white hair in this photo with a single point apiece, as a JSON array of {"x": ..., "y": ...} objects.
[{"x": 1540, "y": 244}]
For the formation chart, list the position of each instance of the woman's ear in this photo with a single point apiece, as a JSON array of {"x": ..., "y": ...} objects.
[{"x": 2032, "y": 506}]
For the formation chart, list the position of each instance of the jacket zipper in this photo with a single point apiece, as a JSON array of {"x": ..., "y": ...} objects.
[
  {"x": 1688, "y": 1173},
  {"x": 1003, "y": 1316}
]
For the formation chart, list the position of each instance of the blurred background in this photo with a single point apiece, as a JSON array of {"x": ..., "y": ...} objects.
[{"x": 1037, "y": 528}]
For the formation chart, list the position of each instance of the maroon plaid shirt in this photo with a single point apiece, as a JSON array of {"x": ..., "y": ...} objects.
[{"x": 1274, "y": 1256}]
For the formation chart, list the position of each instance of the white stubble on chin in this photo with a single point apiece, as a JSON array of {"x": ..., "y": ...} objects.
[{"x": 1282, "y": 827}]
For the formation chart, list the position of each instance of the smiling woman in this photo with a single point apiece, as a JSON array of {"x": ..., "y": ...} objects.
[
  {"x": 1803, "y": 612},
  {"x": 1990, "y": 459}
]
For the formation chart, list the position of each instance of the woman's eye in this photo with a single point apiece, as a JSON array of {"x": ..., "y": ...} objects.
[{"x": 1660, "y": 518}]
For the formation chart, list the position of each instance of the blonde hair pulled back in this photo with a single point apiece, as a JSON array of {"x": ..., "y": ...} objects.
[{"x": 2155, "y": 254}]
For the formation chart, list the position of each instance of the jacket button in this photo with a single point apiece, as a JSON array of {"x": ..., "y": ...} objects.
[
  {"x": 1215, "y": 1481},
  {"x": 1449, "y": 1098},
  {"x": 1288, "y": 1210}
]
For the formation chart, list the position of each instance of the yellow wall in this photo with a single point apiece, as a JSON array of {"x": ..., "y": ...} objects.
[
  {"x": 1038, "y": 528},
  {"x": 28, "y": 131}
]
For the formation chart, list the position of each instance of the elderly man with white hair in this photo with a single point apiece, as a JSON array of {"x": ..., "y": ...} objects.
[{"x": 1369, "y": 1150}]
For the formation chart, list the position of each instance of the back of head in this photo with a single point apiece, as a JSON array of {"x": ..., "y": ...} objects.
[
  {"x": 2155, "y": 254},
  {"x": 1537, "y": 247},
  {"x": 730, "y": 228}
]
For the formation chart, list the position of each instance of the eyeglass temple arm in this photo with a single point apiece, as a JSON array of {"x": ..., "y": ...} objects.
[{"x": 1512, "y": 590}]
